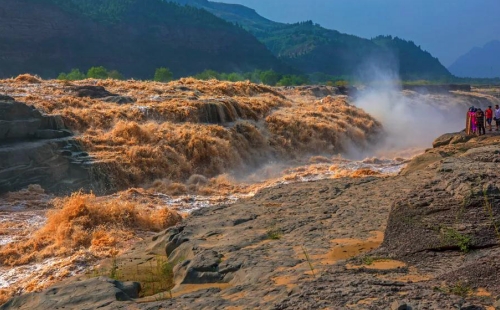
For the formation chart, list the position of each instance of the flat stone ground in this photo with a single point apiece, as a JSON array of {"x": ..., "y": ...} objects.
[{"x": 328, "y": 220}]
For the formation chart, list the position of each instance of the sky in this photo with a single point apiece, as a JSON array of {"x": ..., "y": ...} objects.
[{"x": 445, "y": 28}]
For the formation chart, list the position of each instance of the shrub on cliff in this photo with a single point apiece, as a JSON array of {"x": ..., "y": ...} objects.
[
  {"x": 163, "y": 75},
  {"x": 97, "y": 73},
  {"x": 208, "y": 75},
  {"x": 73, "y": 75},
  {"x": 115, "y": 75},
  {"x": 269, "y": 77},
  {"x": 291, "y": 80}
]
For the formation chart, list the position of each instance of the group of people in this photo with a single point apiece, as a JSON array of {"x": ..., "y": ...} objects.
[{"x": 478, "y": 120}]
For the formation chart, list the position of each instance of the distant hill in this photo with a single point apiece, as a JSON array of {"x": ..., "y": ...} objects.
[
  {"x": 312, "y": 48},
  {"x": 479, "y": 62},
  {"x": 134, "y": 37}
]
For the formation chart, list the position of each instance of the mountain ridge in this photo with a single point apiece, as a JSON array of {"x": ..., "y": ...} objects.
[
  {"x": 47, "y": 37},
  {"x": 479, "y": 62},
  {"x": 311, "y": 48}
]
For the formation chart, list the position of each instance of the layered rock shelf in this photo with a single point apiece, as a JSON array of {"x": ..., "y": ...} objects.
[{"x": 38, "y": 149}]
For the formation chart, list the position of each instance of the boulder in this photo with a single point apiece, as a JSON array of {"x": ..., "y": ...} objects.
[
  {"x": 203, "y": 268},
  {"x": 451, "y": 138},
  {"x": 443, "y": 140},
  {"x": 93, "y": 92},
  {"x": 119, "y": 99},
  {"x": 12, "y": 110},
  {"x": 400, "y": 305},
  {"x": 6, "y": 98},
  {"x": 19, "y": 121}
]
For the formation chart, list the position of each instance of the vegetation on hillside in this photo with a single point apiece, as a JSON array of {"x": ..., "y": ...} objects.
[
  {"x": 311, "y": 48},
  {"x": 267, "y": 77},
  {"x": 99, "y": 73},
  {"x": 133, "y": 37},
  {"x": 163, "y": 75},
  {"x": 272, "y": 78}
]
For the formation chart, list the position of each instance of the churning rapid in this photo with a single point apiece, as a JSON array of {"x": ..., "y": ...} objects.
[{"x": 190, "y": 144}]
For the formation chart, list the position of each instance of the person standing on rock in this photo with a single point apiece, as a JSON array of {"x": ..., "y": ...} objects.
[
  {"x": 489, "y": 117},
  {"x": 468, "y": 123},
  {"x": 480, "y": 122},
  {"x": 497, "y": 116},
  {"x": 471, "y": 121}
]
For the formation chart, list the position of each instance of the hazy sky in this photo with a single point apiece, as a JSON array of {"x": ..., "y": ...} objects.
[{"x": 445, "y": 28}]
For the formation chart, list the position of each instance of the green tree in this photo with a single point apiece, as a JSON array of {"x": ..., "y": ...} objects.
[
  {"x": 62, "y": 76},
  {"x": 208, "y": 75},
  {"x": 114, "y": 74},
  {"x": 234, "y": 77},
  {"x": 342, "y": 83},
  {"x": 75, "y": 75},
  {"x": 292, "y": 80},
  {"x": 163, "y": 75},
  {"x": 269, "y": 77},
  {"x": 97, "y": 73}
]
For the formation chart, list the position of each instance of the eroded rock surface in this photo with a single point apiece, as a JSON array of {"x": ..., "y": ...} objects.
[
  {"x": 38, "y": 149},
  {"x": 96, "y": 293}
]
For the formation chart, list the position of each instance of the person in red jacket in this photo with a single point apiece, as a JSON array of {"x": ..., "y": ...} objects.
[{"x": 489, "y": 117}]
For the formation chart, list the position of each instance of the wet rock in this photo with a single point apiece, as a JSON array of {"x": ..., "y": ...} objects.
[
  {"x": 119, "y": 99},
  {"x": 348, "y": 90},
  {"x": 131, "y": 289},
  {"x": 218, "y": 111},
  {"x": 315, "y": 91},
  {"x": 6, "y": 98},
  {"x": 38, "y": 149},
  {"x": 102, "y": 293},
  {"x": 52, "y": 134},
  {"x": 54, "y": 122},
  {"x": 93, "y": 92}
]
